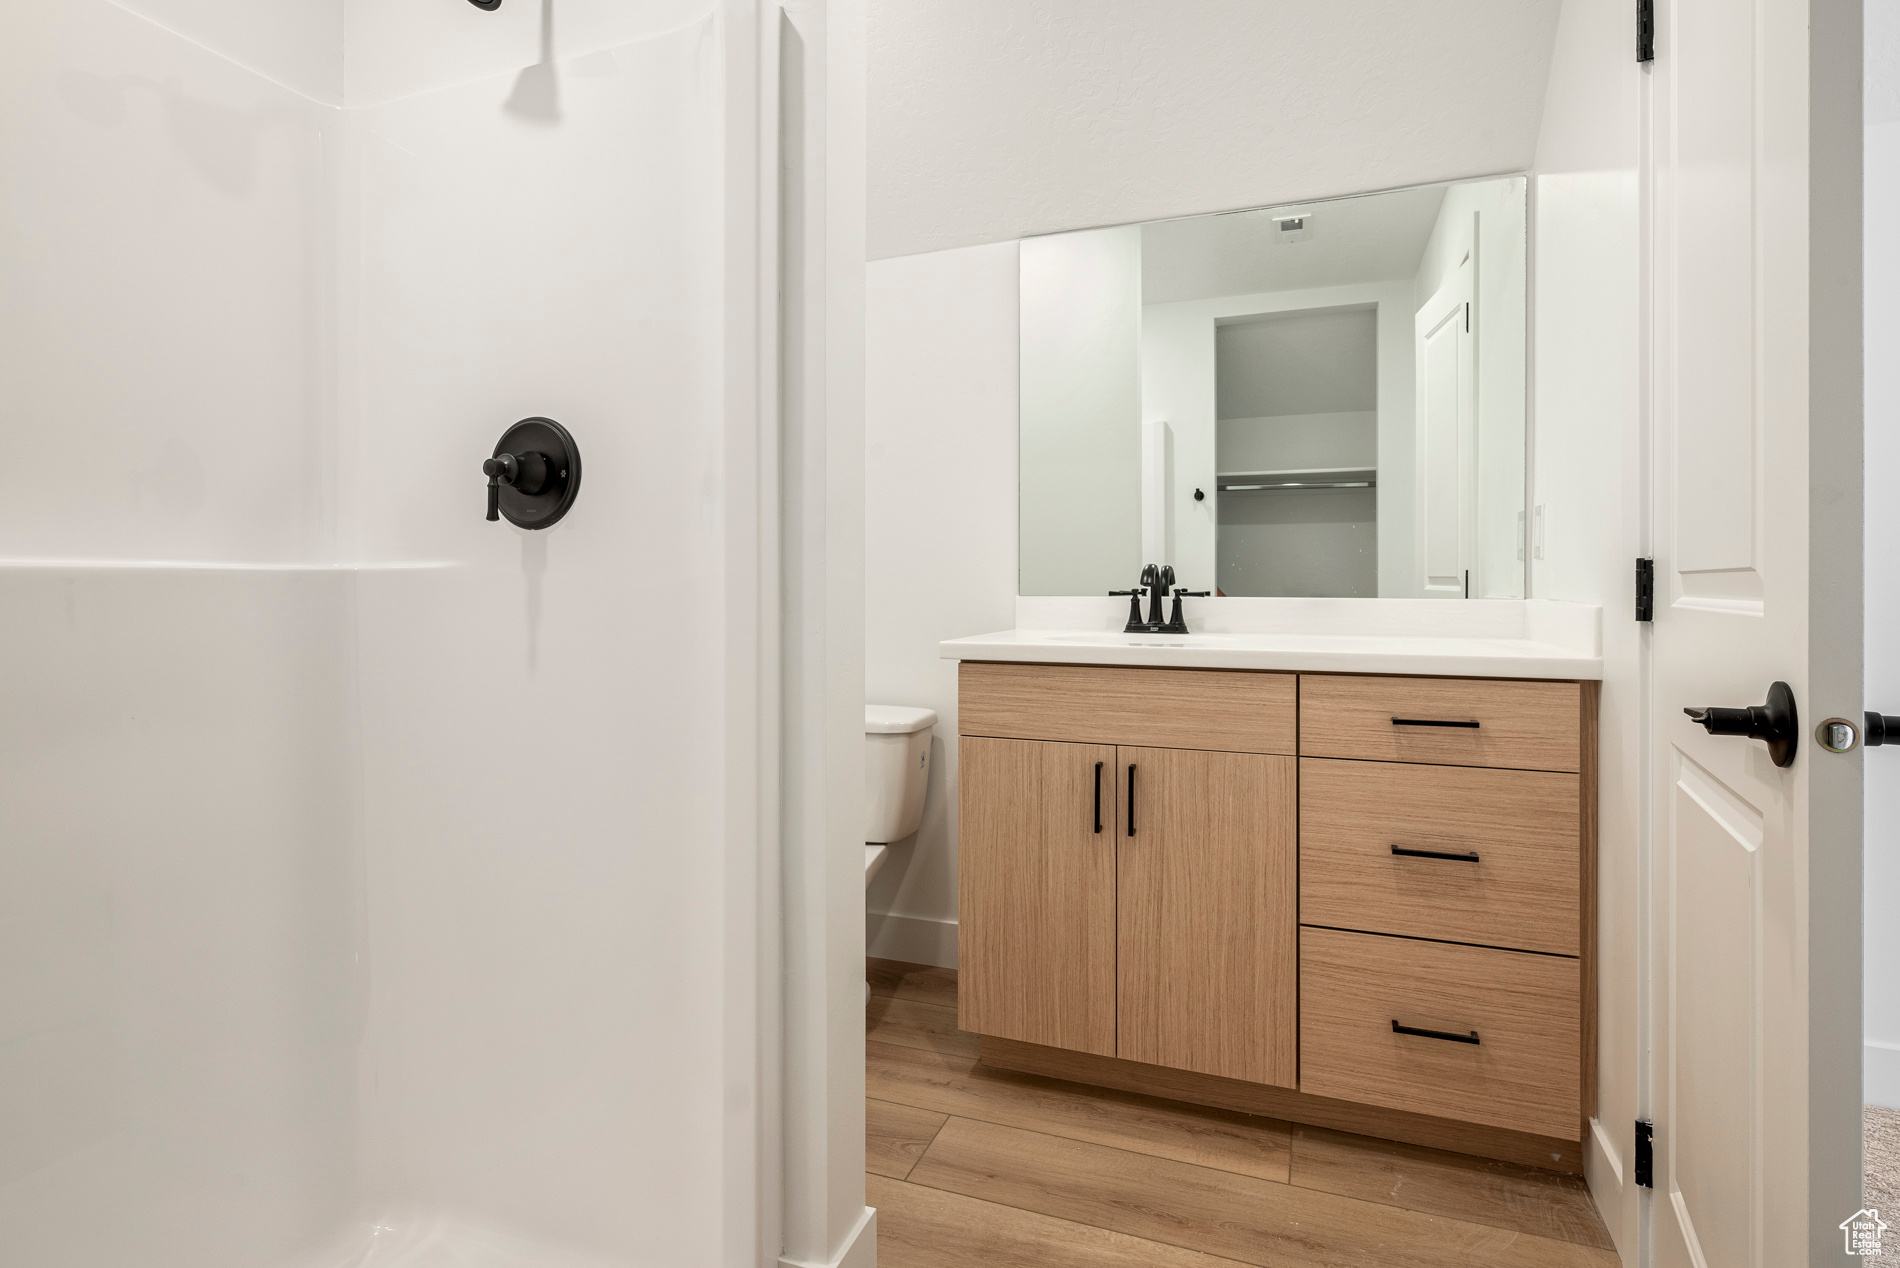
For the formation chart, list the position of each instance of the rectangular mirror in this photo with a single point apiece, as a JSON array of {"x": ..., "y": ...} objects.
[{"x": 1325, "y": 399}]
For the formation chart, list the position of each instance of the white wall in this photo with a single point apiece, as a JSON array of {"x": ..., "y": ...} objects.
[
  {"x": 940, "y": 535},
  {"x": 1316, "y": 363},
  {"x": 400, "y": 47},
  {"x": 1882, "y": 194},
  {"x": 1303, "y": 442},
  {"x": 991, "y": 120},
  {"x": 1306, "y": 543},
  {"x": 1081, "y": 409},
  {"x": 1589, "y": 471},
  {"x": 298, "y": 44}
]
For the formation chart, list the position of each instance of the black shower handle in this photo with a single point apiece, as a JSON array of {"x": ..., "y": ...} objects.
[
  {"x": 527, "y": 472},
  {"x": 501, "y": 469}
]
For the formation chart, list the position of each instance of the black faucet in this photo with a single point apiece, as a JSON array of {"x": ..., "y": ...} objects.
[
  {"x": 1177, "y": 623},
  {"x": 1157, "y": 579}
]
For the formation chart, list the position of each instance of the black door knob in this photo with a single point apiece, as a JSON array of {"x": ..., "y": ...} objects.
[
  {"x": 1774, "y": 722},
  {"x": 1879, "y": 728}
]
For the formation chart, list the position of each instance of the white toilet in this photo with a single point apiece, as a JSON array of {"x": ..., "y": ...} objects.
[{"x": 896, "y": 772}]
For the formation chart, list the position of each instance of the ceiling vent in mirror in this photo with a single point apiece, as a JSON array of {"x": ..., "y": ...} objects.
[{"x": 1293, "y": 228}]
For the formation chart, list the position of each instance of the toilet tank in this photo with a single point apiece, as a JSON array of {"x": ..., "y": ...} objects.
[{"x": 896, "y": 769}]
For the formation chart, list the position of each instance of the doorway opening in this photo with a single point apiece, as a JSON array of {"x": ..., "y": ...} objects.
[{"x": 1297, "y": 453}]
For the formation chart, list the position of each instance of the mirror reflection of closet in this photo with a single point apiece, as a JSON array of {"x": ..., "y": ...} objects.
[
  {"x": 1321, "y": 400},
  {"x": 1297, "y": 452}
]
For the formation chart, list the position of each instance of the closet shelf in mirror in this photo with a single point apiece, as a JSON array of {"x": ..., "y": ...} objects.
[{"x": 1301, "y": 478}]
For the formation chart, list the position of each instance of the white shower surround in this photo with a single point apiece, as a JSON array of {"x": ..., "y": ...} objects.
[{"x": 375, "y": 893}]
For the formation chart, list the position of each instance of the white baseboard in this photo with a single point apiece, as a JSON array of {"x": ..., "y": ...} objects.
[
  {"x": 859, "y": 1249},
  {"x": 912, "y": 939},
  {"x": 1609, "y": 1157},
  {"x": 1880, "y": 1075}
]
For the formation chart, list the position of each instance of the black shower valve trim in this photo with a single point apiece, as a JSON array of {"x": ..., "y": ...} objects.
[{"x": 534, "y": 474}]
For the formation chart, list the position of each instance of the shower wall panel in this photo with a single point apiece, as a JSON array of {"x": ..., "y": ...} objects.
[
  {"x": 181, "y": 905},
  {"x": 361, "y": 886},
  {"x": 166, "y": 261},
  {"x": 543, "y": 731}
]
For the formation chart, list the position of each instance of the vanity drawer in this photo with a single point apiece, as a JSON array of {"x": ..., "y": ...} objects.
[
  {"x": 1223, "y": 710},
  {"x": 1442, "y": 721},
  {"x": 1523, "y": 1073},
  {"x": 1520, "y": 891}
]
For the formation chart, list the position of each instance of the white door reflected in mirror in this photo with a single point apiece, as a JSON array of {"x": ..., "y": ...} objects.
[{"x": 1445, "y": 364}]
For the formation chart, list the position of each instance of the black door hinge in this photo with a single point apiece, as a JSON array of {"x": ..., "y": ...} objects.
[
  {"x": 1645, "y": 1154},
  {"x": 1646, "y": 589},
  {"x": 1645, "y": 30}
]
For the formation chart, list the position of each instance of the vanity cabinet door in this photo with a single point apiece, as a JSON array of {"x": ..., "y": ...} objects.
[
  {"x": 1208, "y": 931},
  {"x": 1037, "y": 833}
]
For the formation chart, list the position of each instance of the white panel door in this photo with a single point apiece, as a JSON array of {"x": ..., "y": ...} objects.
[
  {"x": 1446, "y": 358},
  {"x": 1728, "y": 973}
]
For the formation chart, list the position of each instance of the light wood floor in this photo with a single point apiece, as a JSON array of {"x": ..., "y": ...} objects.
[{"x": 971, "y": 1166}]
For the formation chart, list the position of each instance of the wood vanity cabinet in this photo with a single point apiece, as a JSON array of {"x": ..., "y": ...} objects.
[
  {"x": 1207, "y": 914},
  {"x": 1036, "y": 846},
  {"x": 1169, "y": 935},
  {"x": 1364, "y": 902}
]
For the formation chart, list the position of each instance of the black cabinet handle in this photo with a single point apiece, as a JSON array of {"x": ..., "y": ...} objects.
[
  {"x": 1433, "y": 1034},
  {"x": 1131, "y": 799},
  {"x": 1098, "y": 798},
  {"x": 1431, "y": 722},
  {"x": 1466, "y": 856}
]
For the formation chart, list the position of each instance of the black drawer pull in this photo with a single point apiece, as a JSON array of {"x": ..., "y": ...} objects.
[
  {"x": 1466, "y": 856},
  {"x": 1433, "y": 1034},
  {"x": 1131, "y": 799},
  {"x": 1098, "y": 797},
  {"x": 1431, "y": 722}
]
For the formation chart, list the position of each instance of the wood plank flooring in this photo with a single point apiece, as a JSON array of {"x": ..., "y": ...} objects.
[{"x": 973, "y": 1166}]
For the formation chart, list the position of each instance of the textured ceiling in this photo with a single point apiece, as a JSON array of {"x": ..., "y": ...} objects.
[{"x": 993, "y": 119}]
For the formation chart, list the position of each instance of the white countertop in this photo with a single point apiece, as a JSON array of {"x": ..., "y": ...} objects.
[{"x": 1498, "y": 639}]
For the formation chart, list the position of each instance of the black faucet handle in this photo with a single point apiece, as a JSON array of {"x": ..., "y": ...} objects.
[
  {"x": 1135, "y": 625},
  {"x": 1177, "y": 621}
]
